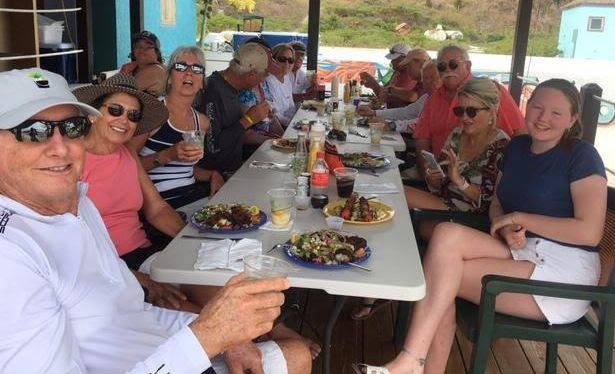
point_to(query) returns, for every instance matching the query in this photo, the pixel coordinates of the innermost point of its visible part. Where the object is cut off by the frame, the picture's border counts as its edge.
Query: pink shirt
(115, 190)
(437, 119)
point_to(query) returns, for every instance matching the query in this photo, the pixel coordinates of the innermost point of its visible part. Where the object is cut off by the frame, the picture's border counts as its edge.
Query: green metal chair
(482, 324)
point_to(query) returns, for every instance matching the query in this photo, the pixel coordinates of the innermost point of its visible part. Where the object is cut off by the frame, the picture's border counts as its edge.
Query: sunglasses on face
(39, 131)
(452, 65)
(471, 111)
(182, 67)
(116, 110)
(283, 59)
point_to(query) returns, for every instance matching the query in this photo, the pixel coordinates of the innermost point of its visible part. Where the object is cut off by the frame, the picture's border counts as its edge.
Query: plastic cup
(260, 267)
(335, 223)
(196, 138)
(282, 201)
(375, 132)
(338, 120)
(350, 114)
(344, 179)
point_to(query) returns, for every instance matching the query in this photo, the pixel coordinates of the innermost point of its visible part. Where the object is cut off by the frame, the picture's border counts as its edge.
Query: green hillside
(486, 24)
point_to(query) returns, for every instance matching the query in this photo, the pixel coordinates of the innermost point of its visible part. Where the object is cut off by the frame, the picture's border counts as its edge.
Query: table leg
(337, 308)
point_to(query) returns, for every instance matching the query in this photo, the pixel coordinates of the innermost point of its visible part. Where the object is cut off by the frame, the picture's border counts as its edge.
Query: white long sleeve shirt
(282, 94)
(406, 116)
(70, 305)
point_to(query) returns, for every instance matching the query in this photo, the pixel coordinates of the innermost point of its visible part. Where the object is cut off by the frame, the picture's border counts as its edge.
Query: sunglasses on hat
(182, 67)
(452, 65)
(116, 110)
(471, 111)
(39, 131)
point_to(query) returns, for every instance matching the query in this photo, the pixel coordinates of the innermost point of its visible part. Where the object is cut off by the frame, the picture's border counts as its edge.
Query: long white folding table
(396, 273)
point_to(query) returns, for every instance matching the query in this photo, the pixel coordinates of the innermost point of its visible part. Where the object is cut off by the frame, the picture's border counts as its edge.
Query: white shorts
(273, 360)
(559, 263)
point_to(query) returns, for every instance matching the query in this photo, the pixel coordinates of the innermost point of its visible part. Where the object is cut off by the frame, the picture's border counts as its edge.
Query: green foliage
(371, 23)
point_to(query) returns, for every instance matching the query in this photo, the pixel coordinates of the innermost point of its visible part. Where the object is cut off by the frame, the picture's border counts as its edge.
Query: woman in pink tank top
(119, 186)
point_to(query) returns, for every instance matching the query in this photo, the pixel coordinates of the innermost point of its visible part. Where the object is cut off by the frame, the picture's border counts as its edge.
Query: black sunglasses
(116, 110)
(283, 59)
(182, 67)
(39, 131)
(471, 111)
(452, 65)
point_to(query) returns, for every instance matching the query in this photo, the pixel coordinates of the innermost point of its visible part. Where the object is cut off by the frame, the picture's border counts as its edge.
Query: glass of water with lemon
(282, 201)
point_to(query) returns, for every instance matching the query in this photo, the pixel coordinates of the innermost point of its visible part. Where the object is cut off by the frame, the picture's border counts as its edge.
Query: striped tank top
(175, 174)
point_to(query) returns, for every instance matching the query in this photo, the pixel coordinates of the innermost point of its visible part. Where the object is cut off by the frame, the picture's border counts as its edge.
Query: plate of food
(359, 210)
(228, 218)
(285, 144)
(304, 125)
(364, 160)
(327, 249)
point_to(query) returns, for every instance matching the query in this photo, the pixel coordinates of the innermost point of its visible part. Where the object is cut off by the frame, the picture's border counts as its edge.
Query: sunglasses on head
(283, 59)
(182, 67)
(471, 111)
(452, 65)
(116, 110)
(39, 131)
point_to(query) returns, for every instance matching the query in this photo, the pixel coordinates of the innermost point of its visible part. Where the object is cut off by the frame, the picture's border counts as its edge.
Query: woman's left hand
(453, 167)
(216, 181)
(504, 220)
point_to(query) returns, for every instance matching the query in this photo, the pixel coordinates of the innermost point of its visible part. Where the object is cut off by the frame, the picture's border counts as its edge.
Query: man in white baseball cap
(68, 303)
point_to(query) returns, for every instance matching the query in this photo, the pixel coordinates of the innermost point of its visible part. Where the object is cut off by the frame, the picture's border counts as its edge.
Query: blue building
(173, 21)
(587, 29)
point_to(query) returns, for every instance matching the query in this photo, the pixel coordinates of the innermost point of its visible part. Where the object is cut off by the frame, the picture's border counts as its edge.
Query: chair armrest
(494, 285)
(478, 221)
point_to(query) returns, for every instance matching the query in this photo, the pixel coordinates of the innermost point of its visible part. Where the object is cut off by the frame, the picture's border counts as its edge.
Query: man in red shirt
(437, 119)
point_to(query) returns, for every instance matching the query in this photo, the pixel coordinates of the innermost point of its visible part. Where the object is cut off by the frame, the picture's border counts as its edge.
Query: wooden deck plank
(378, 339)
(510, 357)
(455, 361)
(465, 348)
(536, 354)
(576, 359)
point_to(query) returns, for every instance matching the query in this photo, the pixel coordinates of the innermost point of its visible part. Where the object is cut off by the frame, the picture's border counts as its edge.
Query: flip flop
(368, 369)
(373, 308)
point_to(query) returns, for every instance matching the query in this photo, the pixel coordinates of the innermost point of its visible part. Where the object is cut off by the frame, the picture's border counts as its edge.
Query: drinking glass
(282, 201)
(196, 138)
(375, 131)
(344, 179)
(261, 266)
(338, 120)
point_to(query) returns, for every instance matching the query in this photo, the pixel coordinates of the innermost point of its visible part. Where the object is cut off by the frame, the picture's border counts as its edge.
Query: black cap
(298, 46)
(147, 36)
(260, 41)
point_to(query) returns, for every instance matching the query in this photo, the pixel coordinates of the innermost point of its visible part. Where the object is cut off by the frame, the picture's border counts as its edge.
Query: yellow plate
(384, 212)
(285, 144)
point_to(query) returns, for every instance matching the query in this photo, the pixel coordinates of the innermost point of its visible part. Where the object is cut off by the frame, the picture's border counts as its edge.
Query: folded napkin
(226, 254)
(270, 227)
(367, 188)
(270, 165)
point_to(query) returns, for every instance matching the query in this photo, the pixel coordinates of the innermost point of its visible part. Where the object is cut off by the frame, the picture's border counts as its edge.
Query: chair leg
(480, 352)
(605, 346)
(401, 324)
(551, 359)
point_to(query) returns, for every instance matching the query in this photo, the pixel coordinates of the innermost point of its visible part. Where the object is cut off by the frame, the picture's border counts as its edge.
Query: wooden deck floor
(372, 341)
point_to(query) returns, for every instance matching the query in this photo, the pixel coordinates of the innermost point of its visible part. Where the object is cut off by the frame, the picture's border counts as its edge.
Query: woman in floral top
(470, 156)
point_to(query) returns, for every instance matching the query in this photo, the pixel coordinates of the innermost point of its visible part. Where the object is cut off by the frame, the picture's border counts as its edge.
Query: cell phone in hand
(431, 161)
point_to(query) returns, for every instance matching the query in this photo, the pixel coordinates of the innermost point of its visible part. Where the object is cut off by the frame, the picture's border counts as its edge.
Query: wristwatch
(465, 185)
(156, 161)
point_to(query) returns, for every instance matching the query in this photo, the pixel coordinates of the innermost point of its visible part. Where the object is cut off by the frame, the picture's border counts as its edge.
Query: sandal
(373, 308)
(368, 369)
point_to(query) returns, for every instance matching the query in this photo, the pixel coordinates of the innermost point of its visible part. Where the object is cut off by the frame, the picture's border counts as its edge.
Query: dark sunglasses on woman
(39, 131)
(283, 59)
(182, 67)
(471, 111)
(116, 110)
(452, 65)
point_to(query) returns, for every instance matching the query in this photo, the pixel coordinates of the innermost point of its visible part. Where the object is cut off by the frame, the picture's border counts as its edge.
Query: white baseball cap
(397, 50)
(253, 56)
(26, 92)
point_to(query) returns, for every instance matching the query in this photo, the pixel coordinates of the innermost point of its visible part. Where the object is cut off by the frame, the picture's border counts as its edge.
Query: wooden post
(35, 23)
(522, 29)
(313, 30)
(590, 110)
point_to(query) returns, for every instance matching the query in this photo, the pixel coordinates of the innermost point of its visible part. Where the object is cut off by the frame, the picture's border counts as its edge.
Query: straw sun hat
(154, 112)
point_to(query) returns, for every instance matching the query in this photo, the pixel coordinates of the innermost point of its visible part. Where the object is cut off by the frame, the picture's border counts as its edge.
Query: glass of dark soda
(344, 179)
